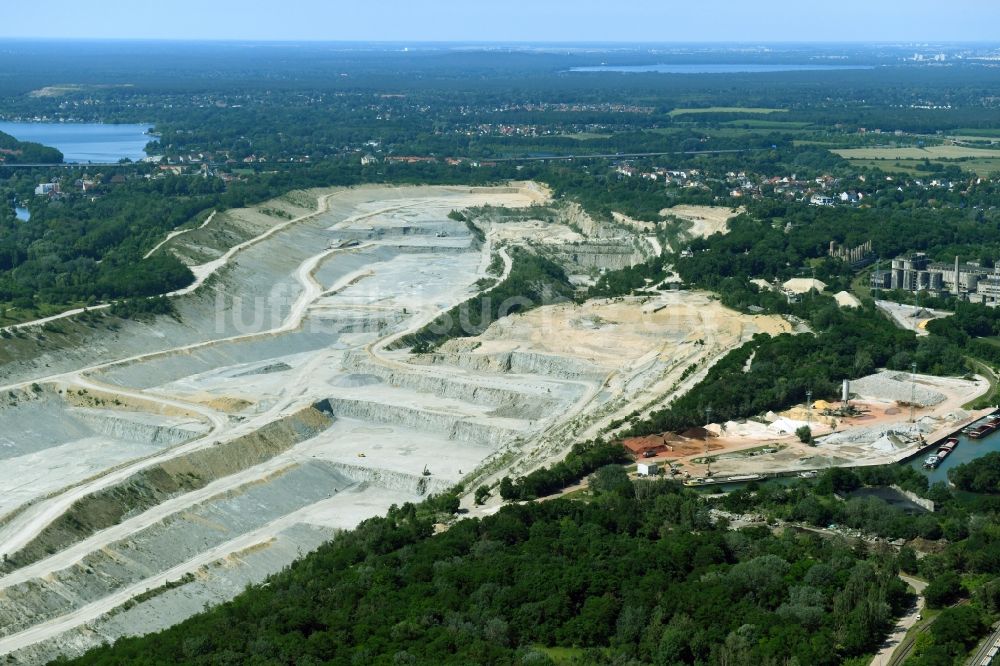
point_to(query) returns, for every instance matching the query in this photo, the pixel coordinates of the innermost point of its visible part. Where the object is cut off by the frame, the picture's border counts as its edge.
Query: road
(179, 232)
(24, 527)
(896, 648)
(902, 315)
(20, 530)
(27, 525)
(78, 165)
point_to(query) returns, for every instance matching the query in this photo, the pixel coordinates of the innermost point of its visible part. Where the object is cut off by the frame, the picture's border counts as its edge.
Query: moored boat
(983, 430)
(946, 448)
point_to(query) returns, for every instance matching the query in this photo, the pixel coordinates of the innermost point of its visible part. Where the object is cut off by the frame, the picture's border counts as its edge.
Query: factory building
(970, 281)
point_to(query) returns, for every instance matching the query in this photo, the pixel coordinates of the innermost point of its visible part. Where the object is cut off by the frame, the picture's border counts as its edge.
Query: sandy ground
(617, 333)
(640, 347)
(706, 220)
(904, 317)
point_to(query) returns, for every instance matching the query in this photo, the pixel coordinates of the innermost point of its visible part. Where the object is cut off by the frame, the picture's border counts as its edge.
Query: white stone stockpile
(895, 385)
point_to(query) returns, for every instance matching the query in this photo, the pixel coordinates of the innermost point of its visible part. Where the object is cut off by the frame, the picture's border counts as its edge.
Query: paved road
(896, 648)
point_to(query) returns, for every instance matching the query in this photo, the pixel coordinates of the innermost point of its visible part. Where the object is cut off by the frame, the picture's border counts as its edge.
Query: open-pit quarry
(151, 467)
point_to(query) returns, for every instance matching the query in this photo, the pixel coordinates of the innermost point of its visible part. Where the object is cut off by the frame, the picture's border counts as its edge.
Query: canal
(968, 449)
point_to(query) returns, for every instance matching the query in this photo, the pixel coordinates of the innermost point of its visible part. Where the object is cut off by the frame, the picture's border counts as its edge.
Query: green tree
(944, 589)
(482, 493)
(610, 479)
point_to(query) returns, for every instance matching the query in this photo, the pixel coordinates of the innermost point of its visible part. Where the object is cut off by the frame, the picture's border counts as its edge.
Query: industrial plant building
(916, 272)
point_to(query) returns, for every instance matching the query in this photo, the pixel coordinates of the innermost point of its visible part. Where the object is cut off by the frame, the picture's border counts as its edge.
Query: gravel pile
(902, 431)
(896, 386)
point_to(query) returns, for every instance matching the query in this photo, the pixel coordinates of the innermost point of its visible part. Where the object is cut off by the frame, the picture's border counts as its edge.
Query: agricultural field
(760, 123)
(979, 166)
(727, 109)
(913, 153)
(586, 136)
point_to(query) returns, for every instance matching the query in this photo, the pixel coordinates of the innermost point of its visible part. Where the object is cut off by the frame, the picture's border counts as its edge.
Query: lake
(746, 68)
(85, 142)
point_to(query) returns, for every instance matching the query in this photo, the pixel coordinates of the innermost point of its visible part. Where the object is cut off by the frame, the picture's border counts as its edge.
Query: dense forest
(306, 127)
(13, 151)
(612, 580)
(630, 572)
(979, 476)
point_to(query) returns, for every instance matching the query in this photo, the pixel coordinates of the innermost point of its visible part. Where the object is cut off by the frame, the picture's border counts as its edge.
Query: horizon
(510, 42)
(514, 21)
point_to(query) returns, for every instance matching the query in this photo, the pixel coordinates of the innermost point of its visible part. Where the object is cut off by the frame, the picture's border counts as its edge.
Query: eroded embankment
(394, 480)
(131, 429)
(489, 431)
(153, 485)
(517, 362)
(177, 539)
(506, 400)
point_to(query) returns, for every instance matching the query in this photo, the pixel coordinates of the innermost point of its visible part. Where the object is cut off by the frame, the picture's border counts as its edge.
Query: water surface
(85, 142)
(706, 68)
(966, 451)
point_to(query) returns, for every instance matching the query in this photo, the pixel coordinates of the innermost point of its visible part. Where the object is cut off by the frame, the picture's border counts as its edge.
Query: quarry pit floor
(181, 458)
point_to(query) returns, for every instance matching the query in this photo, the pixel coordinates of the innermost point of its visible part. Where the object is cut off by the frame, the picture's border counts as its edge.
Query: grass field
(992, 133)
(759, 123)
(912, 153)
(727, 109)
(861, 285)
(979, 139)
(562, 655)
(907, 167)
(981, 166)
(585, 136)
(735, 131)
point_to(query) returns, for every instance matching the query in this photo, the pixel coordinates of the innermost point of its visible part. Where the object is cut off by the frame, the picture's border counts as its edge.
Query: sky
(505, 21)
